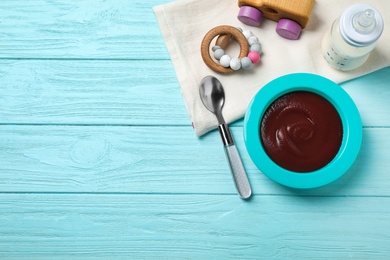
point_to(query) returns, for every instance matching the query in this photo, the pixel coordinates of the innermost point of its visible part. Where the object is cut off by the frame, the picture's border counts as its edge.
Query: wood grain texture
(129, 93)
(90, 92)
(215, 33)
(99, 29)
(298, 11)
(193, 227)
(158, 160)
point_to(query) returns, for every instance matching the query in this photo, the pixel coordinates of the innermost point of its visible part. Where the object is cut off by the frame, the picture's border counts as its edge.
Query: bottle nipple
(364, 22)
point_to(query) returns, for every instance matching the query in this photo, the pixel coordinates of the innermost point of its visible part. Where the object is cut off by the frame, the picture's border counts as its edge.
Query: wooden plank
(157, 160)
(90, 92)
(193, 227)
(129, 93)
(371, 97)
(80, 29)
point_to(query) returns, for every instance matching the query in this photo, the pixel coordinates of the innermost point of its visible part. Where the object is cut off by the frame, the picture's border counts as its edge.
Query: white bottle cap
(361, 25)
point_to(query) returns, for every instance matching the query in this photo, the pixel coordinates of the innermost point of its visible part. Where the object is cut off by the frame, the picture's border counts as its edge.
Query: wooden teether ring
(223, 40)
(222, 30)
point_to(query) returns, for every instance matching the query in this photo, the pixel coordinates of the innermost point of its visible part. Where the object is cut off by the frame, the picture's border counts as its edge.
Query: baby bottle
(348, 43)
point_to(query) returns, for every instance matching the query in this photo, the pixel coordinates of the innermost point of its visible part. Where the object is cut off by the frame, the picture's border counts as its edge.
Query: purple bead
(288, 29)
(250, 16)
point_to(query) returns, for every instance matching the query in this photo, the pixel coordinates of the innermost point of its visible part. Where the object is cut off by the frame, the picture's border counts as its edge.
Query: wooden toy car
(292, 15)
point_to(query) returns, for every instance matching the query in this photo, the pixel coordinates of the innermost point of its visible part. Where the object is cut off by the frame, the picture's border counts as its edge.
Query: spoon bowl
(213, 96)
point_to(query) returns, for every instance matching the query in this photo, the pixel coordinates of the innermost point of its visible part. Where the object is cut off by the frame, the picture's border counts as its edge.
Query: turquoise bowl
(350, 118)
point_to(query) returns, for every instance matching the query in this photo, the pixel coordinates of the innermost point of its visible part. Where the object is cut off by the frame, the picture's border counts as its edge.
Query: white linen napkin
(184, 23)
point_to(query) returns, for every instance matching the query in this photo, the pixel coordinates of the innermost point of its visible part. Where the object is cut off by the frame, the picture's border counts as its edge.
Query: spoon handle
(237, 169)
(239, 175)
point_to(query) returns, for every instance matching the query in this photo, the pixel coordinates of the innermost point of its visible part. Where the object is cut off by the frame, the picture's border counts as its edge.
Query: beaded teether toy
(250, 49)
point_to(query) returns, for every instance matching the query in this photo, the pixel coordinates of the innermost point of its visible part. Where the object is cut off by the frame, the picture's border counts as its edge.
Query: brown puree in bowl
(301, 131)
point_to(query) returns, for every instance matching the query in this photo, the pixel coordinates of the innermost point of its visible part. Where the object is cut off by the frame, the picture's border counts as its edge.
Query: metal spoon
(213, 98)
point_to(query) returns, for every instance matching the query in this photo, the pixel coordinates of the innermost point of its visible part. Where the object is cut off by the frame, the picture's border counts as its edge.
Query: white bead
(247, 34)
(216, 47)
(218, 54)
(246, 63)
(252, 40)
(235, 64)
(225, 61)
(256, 47)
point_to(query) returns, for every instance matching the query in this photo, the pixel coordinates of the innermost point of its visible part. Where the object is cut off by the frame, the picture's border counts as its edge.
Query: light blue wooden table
(98, 157)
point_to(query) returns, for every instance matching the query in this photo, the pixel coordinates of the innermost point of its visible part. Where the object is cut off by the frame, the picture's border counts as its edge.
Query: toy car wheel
(250, 16)
(288, 29)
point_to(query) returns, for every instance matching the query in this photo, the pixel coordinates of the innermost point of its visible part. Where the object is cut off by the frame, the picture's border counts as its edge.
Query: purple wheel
(288, 29)
(250, 16)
